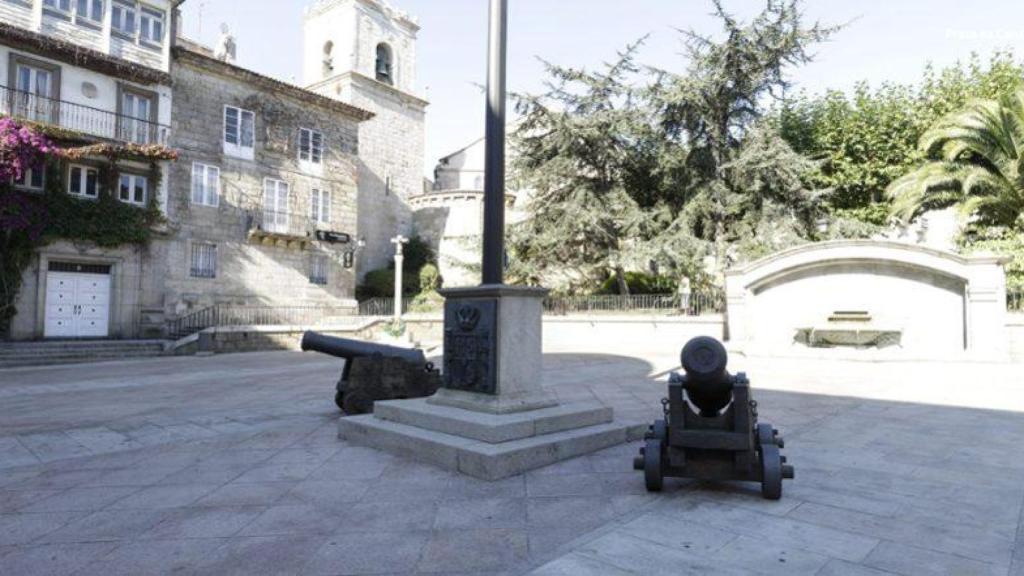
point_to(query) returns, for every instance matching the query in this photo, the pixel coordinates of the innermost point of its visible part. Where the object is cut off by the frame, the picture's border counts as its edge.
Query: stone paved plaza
(231, 465)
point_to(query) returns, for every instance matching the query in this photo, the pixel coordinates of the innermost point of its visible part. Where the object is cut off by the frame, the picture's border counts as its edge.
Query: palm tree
(976, 161)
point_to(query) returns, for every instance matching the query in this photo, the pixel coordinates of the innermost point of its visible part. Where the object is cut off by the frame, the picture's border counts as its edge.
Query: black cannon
(710, 430)
(375, 372)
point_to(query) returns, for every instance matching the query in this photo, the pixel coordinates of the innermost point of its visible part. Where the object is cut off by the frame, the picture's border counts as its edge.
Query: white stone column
(399, 242)
(985, 296)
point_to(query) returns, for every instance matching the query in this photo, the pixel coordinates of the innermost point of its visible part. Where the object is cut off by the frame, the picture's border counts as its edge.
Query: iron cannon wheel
(356, 403)
(661, 430)
(653, 475)
(771, 472)
(339, 399)
(765, 434)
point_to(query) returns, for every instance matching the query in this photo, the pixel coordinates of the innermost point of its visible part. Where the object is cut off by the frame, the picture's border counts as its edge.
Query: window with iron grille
(318, 269)
(311, 146)
(204, 260)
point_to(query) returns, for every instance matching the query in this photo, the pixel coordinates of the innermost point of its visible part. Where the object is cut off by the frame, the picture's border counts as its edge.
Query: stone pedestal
(493, 418)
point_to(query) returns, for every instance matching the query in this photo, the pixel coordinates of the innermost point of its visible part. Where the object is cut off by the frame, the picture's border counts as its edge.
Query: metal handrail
(221, 315)
(696, 304)
(81, 118)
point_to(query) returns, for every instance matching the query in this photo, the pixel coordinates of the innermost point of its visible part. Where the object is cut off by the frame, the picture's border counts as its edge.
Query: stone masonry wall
(254, 270)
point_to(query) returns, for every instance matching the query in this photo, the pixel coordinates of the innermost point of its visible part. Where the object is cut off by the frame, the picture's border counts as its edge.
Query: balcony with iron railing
(87, 120)
(273, 225)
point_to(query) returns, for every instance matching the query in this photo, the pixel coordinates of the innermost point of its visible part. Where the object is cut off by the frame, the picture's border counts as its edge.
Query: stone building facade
(263, 167)
(89, 73)
(363, 52)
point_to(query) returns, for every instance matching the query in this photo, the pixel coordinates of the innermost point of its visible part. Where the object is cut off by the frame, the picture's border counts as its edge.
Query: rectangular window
(59, 5)
(275, 206)
(311, 146)
(89, 11)
(205, 184)
(31, 179)
(204, 260)
(83, 181)
(239, 132)
(318, 269)
(151, 26)
(133, 189)
(35, 88)
(136, 118)
(122, 18)
(320, 206)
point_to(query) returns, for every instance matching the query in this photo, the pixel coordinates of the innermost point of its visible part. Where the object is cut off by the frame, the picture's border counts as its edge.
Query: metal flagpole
(494, 182)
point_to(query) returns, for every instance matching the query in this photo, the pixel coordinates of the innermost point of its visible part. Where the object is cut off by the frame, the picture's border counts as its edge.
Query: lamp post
(399, 242)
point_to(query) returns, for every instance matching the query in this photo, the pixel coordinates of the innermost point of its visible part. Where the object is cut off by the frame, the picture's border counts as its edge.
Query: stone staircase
(45, 353)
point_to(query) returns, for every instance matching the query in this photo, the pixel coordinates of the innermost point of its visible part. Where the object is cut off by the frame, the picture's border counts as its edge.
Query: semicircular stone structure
(867, 293)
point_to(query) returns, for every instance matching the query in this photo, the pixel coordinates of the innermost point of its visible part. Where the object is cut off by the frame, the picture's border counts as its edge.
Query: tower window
(328, 58)
(384, 64)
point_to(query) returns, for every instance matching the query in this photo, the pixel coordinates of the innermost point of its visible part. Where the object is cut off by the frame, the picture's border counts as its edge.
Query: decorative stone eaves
(76, 55)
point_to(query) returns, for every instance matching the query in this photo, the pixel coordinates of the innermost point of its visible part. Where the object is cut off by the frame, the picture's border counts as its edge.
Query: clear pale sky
(886, 40)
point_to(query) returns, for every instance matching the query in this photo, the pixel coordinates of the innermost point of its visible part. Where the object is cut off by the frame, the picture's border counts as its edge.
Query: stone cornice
(76, 55)
(187, 57)
(365, 80)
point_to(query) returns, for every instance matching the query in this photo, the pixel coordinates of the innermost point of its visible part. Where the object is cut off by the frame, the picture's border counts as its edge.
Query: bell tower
(363, 52)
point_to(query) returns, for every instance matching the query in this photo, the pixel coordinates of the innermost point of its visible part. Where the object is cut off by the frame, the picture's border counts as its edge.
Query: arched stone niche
(940, 302)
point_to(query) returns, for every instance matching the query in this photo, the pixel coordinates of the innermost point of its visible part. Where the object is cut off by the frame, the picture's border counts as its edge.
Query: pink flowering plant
(21, 149)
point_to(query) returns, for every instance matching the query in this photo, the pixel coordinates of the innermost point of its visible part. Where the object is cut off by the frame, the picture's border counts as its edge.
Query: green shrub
(430, 278)
(381, 284)
(428, 301)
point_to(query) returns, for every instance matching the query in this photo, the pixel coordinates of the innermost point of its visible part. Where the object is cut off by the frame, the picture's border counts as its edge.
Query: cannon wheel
(339, 399)
(355, 402)
(661, 430)
(771, 472)
(765, 434)
(653, 475)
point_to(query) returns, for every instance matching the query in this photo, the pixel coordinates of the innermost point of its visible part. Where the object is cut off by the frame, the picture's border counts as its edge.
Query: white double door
(77, 305)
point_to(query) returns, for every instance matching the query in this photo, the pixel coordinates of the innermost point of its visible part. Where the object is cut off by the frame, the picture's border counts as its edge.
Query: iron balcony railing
(376, 307)
(80, 118)
(224, 315)
(277, 223)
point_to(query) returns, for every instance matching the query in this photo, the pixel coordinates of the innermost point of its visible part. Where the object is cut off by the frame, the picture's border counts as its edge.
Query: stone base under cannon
(493, 419)
(487, 446)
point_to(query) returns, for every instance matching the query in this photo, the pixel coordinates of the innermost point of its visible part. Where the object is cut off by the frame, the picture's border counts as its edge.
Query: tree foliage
(866, 140)
(974, 161)
(629, 165)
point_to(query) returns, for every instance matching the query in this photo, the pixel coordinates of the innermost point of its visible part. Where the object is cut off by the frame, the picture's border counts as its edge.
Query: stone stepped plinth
(484, 445)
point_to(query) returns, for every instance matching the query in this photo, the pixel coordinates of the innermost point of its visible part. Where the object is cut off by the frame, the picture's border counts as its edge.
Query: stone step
(21, 354)
(78, 351)
(492, 428)
(54, 360)
(485, 460)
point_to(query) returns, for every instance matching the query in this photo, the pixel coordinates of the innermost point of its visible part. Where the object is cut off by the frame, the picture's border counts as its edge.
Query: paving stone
(80, 499)
(388, 517)
(843, 568)
(25, 528)
(368, 553)
(646, 557)
(107, 525)
(52, 559)
(575, 563)
(331, 494)
(302, 519)
(766, 557)
(13, 500)
(246, 494)
(164, 496)
(461, 486)
(261, 556)
(474, 550)
(564, 485)
(153, 558)
(679, 532)
(912, 561)
(202, 523)
(481, 513)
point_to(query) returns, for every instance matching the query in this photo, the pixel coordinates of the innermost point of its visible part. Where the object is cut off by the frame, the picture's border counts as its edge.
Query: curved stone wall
(939, 302)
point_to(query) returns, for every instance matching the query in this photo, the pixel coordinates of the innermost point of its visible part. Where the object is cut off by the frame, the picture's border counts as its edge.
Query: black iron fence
(224, 315)
(80, 118)
(679, 304)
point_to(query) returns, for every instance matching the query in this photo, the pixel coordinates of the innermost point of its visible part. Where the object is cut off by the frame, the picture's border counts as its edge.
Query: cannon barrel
(348, 349)
(708, 383)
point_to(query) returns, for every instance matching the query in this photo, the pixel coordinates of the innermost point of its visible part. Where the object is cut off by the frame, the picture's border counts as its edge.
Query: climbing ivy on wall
(31, 220)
